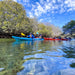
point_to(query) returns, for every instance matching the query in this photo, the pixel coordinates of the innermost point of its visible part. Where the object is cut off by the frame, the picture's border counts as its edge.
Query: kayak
(26, 39)
(54, 39)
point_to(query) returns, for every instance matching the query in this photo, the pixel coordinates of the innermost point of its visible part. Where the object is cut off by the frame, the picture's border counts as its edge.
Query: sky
(57, 12)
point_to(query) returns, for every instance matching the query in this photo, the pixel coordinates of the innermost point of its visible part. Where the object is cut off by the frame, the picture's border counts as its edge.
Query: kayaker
(40, 36)
(37, 35)
(54, 38)
(31, 36)
(59, 37)
(65, 37)
(69, 38)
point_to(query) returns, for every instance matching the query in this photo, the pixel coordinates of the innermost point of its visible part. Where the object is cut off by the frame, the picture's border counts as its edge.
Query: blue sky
(57, 12)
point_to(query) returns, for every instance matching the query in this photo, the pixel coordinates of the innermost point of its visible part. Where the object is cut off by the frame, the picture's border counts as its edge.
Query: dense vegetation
(69, 27)
(13, 20)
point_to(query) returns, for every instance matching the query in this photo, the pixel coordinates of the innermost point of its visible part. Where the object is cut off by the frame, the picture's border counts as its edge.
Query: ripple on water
(38, 58)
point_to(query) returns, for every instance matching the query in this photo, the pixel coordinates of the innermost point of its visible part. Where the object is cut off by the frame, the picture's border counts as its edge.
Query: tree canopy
(44, 29)
(69, 27)
(13, 17)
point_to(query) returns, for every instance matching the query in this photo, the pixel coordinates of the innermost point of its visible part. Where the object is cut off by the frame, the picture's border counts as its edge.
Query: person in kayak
(65, 37)
(31, 36)
(59, 37)
(37, 35)
(40, 36)
(69, 38)
(54, 38)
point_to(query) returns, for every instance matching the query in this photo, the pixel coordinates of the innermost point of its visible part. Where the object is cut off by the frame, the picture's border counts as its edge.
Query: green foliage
(13, 18)
(34, 24)
(69, 27)
(44, 29)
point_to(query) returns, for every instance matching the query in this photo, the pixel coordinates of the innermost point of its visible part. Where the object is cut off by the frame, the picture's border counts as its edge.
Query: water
(37, 57)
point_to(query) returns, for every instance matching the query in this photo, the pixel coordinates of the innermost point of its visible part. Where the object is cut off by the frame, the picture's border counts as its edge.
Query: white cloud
(62, 10)
(42, 9)
(41, 1)
(47, 0)
(66, 2)
(15, 0)
(25, 1)
(39, 9)
(52, 11)
(48, 6)
(51, 6)
(33, 7)
(70, 3)
(50, 21)
(40, 20)
(59, 1)
(70, 9)
(36, 12)
(31, 15)
(54, 1)
(55, 7)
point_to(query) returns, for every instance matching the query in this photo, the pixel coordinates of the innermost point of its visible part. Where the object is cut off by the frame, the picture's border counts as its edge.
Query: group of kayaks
(55, 39)
(32, 39)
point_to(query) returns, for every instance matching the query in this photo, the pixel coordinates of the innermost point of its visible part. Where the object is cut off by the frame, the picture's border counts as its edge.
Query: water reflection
(10, 58)
(37, 57)
(69, 51)
(52, 60)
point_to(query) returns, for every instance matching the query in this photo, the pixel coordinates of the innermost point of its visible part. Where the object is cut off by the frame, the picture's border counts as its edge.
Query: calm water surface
(37, 57)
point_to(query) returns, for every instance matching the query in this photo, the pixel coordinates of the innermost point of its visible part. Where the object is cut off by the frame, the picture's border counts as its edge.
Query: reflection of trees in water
(10, 58)
(70, 53)
(37, 47)
(72, 65)
(12, 53)
(35, 50)
(40, 47)
(51, 45)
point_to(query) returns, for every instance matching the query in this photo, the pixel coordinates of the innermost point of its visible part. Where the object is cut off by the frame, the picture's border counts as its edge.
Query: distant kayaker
(31, 36)
(65, 37)
(40, 36)
(37, 35)
(54, 38)
(59, 37)
(69, 38)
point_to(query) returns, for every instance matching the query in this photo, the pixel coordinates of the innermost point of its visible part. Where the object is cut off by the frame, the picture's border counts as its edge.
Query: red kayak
(54, 39)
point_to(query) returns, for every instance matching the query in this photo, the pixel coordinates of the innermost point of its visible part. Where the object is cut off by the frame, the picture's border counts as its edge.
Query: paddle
(22, 34)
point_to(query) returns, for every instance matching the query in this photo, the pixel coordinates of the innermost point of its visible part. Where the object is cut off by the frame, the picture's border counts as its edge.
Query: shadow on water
(37, 57)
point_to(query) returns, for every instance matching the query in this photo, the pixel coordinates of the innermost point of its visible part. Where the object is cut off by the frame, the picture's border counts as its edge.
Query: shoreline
(8, 36)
